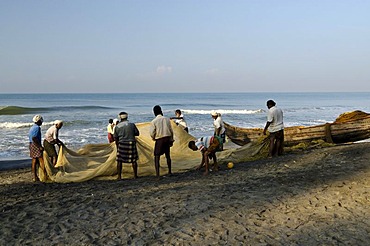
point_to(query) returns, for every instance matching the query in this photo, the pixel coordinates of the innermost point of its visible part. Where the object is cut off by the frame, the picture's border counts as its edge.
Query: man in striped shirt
(208, 146)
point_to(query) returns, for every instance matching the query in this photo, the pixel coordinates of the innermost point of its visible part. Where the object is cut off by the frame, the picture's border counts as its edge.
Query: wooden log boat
(348, 127)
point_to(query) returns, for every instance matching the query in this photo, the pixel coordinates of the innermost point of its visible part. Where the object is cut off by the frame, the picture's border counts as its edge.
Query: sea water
(86, 116)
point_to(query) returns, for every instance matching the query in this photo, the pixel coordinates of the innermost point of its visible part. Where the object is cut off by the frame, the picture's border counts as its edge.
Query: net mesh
(98, 161)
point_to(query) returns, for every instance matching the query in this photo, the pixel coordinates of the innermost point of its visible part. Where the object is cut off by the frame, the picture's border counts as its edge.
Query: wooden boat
(348, 127)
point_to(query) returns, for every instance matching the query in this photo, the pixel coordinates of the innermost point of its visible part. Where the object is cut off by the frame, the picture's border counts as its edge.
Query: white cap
(37, 118)
(214, 113)
(58, 122)
(123, 115)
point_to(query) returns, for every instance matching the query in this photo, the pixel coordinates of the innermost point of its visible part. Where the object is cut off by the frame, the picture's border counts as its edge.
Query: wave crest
(14, 125)
(223, 111)
(16, 110)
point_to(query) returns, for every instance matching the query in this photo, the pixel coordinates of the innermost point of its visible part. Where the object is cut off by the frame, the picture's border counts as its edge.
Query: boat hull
(337, 132)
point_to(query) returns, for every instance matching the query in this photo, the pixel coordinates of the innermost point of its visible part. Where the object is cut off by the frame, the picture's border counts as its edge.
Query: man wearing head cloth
(52, 139)
(161, 132)
(124, 136)
(219, 128)
(36, 148)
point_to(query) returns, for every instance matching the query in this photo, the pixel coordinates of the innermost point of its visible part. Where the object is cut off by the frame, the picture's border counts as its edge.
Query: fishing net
(98, 161)
(349, 116)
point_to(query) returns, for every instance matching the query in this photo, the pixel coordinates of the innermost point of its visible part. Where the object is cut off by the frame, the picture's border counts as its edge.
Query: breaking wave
(15, 110)
(224, 111)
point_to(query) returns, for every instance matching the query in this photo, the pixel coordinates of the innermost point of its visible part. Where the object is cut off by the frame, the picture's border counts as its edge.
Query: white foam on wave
(14, 125)
(223, 111)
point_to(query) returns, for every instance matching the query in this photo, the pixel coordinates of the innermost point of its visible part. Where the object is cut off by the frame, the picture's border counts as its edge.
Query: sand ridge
(316, 197)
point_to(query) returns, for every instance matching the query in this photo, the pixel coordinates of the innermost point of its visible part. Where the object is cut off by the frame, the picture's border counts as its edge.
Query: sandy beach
(312, 197)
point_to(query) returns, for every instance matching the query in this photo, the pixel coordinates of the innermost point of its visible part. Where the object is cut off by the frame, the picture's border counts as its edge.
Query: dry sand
(317, 197)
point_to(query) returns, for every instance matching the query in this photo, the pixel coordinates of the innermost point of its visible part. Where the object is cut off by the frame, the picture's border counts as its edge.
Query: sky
(77, 46)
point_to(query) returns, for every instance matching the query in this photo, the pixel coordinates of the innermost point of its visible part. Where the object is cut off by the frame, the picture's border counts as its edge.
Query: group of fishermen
(161, 132)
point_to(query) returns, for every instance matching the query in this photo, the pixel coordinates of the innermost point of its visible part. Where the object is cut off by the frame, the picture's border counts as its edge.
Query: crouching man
(208, 146)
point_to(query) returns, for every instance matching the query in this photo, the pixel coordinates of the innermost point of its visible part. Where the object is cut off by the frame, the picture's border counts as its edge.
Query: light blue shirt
(204, 142)
(35, 131)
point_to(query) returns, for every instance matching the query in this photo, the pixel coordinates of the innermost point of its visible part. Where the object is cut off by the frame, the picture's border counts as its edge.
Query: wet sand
(312, 197)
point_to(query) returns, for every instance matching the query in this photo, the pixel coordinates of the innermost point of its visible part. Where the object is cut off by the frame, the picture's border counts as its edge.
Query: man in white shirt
(218, 125)
(52, 139)
(161, 132)
(179, 120)
(275, 125)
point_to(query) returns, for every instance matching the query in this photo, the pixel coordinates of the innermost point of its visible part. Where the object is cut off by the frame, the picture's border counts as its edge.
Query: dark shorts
(162, 146)
(223, 137)
(127, 152)
(50, 149)
(279, 135)
(35, 151)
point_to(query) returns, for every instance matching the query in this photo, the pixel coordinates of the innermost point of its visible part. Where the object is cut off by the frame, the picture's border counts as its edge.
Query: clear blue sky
(184, 46)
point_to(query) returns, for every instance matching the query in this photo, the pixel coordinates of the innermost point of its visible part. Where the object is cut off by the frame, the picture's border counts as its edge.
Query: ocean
(86, 116)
